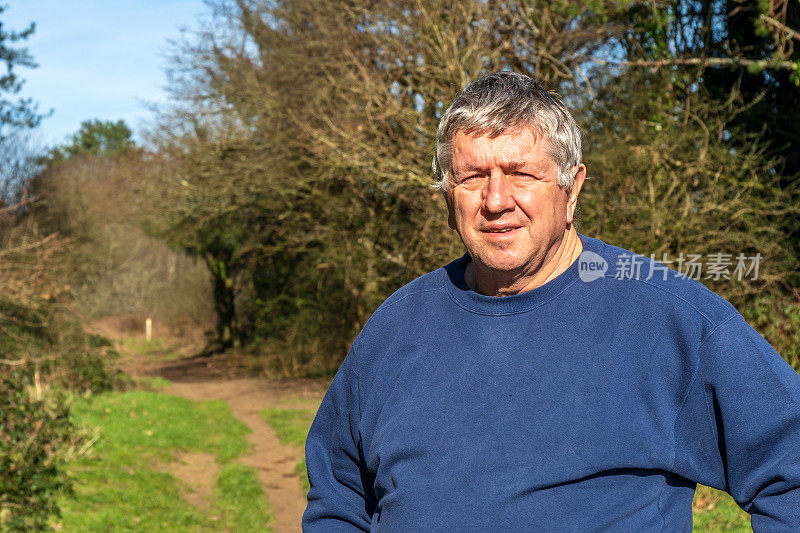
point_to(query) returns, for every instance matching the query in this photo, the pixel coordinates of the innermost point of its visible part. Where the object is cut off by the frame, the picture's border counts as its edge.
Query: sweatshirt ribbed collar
(460, 292)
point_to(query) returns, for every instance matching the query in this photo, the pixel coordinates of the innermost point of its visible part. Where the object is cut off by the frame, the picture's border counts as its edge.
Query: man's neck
(507, 284)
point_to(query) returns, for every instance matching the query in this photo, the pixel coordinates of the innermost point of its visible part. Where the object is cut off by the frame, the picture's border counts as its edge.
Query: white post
(148, 328)
(37, 381)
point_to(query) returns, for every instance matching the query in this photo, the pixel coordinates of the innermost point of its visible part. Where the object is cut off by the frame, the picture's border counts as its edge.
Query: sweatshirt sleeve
(341, 497)
(739, 430)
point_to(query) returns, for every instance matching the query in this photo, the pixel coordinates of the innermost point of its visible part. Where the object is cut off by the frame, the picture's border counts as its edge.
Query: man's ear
(572, 198)
(451, 213)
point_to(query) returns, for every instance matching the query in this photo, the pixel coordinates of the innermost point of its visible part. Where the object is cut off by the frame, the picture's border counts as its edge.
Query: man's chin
(500, 265)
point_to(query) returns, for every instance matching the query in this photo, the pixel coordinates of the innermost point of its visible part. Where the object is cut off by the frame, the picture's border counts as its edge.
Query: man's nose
(498, 194)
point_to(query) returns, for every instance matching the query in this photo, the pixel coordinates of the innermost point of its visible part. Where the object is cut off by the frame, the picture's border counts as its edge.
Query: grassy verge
(152, 349)
(715, 510)
(291, 425)
(241, 500)
(152, 384)
(122, 484)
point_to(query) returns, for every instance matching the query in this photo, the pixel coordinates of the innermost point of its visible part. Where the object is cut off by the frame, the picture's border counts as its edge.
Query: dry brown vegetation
(111, 265)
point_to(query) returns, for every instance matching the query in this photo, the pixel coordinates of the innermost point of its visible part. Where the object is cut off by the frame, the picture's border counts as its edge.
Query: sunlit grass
(122, 482)
(714, 510)
(291, 425)
(153, 384)
(241, 499)
(153, 348)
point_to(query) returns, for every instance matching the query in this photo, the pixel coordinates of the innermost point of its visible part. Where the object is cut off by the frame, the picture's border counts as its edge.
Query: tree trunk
(224, 303)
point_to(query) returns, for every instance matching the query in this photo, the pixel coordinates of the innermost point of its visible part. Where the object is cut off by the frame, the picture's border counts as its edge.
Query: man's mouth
(499, 230)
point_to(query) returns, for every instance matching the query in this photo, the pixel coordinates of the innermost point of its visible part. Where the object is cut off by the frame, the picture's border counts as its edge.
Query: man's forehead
(513, 131)
(512, 147)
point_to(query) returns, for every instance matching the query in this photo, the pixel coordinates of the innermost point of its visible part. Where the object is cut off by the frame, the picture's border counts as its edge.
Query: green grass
(301, 471)
(154, 384)
(241, 499)
(715, 510)
(291, 425)
(154, 349)
(121, 484)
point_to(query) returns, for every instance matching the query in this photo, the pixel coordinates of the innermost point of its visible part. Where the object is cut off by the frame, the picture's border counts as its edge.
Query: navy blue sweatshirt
(576, 406)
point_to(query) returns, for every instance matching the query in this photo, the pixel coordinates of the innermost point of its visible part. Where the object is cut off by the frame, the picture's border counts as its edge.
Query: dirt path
(211, 378)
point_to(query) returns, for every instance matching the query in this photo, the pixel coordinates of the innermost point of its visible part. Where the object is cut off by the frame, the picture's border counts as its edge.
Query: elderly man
(506, 391)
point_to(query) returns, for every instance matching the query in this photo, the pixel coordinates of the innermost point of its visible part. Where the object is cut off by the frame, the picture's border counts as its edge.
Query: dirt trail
(212, 378)
(199, 471)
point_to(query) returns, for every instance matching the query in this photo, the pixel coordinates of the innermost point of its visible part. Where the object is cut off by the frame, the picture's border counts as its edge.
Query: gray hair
(504, 101)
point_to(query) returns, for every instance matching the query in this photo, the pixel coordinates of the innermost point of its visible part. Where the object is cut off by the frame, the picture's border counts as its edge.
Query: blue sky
(100, 59)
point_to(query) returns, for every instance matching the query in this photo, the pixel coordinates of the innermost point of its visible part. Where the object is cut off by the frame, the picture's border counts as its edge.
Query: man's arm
(341, 496)
(746, 438)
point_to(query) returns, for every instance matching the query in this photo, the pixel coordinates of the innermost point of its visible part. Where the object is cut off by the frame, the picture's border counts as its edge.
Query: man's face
(505, 201)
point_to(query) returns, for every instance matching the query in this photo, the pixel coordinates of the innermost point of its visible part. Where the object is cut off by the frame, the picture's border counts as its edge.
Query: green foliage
(795, 75)
(681, 187)
(765, 35)
(56, 349)
(98, 138)
(43, 354)
(21, 113)
(25, 327)
(35, 435)
(122, 484)
(778, 319)
(85, 362)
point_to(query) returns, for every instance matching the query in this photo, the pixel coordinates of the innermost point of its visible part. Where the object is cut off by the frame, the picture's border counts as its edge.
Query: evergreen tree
(15, 112)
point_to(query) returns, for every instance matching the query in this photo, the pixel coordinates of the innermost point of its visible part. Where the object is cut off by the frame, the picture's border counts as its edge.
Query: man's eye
(473, 177)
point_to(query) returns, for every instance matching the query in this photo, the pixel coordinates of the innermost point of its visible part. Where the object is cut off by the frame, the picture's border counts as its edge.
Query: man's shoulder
(630, 274)
(409, 295)
(410, 312)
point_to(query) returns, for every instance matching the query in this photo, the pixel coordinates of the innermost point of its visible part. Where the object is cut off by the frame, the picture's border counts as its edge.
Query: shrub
(42, 355)
(34, 437)
(57, 349)
(778, 320)
(85, 362)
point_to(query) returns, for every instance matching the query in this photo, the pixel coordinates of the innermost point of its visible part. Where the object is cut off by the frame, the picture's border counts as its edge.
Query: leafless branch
(704, 62)
(792, 34)
(28, 246)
